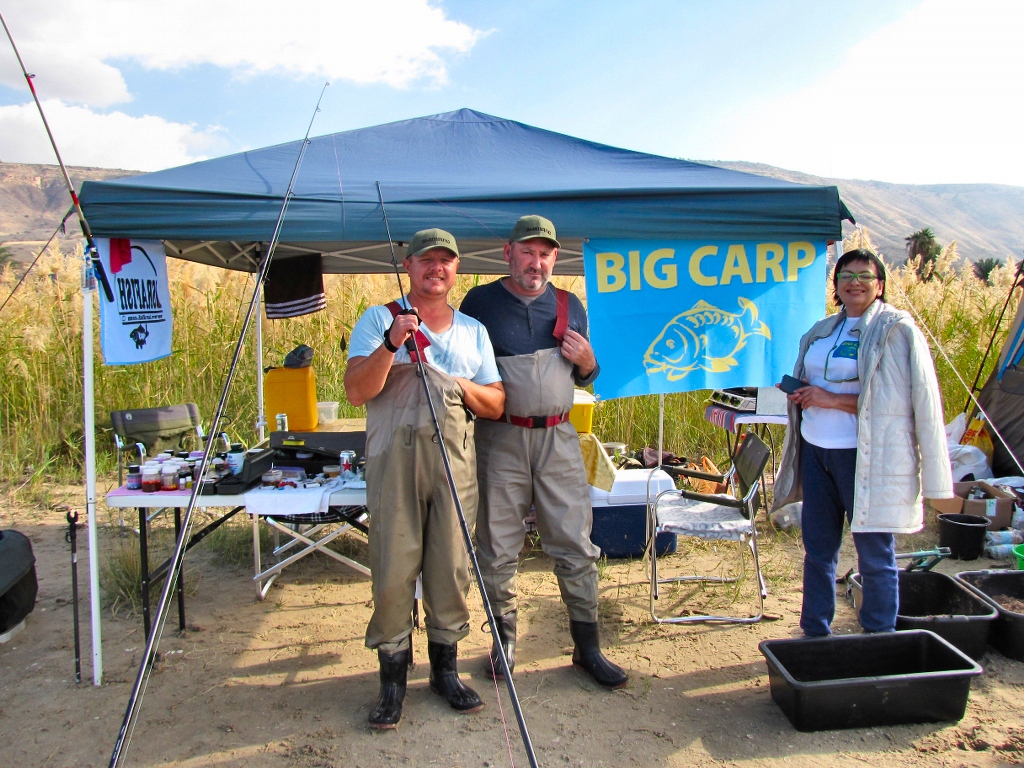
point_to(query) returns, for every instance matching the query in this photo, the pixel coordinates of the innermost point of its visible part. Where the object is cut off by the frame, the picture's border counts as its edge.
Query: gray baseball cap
(529, 227)
(426, 239)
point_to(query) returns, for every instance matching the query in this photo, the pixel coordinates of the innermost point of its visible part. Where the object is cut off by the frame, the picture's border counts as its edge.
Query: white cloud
(113, 140)
(934, 97)
(74, 48)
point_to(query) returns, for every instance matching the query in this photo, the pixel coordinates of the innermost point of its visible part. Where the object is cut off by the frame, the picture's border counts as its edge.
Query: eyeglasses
(863, 277)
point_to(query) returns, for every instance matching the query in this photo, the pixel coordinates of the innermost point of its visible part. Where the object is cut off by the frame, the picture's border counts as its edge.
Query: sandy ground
(287, 682)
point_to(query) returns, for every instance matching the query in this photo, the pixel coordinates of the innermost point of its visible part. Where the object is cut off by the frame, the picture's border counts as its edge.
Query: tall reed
(41, 391)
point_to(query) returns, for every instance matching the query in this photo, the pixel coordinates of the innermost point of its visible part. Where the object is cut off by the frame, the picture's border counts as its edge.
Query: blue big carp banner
(679, 315)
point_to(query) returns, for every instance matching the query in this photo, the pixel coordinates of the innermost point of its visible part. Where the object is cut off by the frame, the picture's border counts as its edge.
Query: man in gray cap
(530, 455)
(414, 527)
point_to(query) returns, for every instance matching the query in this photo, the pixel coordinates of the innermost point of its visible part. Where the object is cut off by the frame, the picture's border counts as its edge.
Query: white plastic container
(631, 488)
(327, 411)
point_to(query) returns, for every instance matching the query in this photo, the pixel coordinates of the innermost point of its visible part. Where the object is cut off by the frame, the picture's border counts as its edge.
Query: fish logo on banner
(137, 326)
(676, 316)
(703, 337)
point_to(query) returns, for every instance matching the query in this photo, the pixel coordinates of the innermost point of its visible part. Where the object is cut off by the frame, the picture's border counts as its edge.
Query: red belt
(534, 422)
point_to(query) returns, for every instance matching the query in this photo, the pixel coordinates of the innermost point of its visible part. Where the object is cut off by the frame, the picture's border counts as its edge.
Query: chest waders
(413, 524)
(530, 457)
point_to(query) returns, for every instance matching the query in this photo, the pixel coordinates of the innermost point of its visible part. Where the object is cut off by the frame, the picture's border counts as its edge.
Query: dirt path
(287, 682)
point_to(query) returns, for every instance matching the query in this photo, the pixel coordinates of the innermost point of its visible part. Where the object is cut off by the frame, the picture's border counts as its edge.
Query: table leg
(144, 567)
(181, 574)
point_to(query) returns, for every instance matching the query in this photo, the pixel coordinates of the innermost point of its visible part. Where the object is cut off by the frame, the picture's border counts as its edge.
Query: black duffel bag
(18, 585)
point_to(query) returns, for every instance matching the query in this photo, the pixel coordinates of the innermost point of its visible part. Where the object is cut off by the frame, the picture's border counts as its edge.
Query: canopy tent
(469, 173)
(1002, 399)
(464, 171)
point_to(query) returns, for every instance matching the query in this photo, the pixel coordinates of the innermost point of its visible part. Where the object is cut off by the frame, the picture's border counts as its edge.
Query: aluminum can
(282, 422)
(347, 460)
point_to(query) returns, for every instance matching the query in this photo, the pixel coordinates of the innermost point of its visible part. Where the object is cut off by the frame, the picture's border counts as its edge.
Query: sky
(905, 91)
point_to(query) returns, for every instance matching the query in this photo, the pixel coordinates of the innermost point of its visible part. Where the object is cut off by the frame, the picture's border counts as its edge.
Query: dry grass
(40, 393)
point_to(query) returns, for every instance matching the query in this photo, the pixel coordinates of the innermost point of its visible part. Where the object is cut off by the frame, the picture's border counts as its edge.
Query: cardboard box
(997, 505)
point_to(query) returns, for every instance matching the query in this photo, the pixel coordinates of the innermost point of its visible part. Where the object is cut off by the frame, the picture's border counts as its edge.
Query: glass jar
(134, 482)
(184, 479)
(168, 477)
(151, 478)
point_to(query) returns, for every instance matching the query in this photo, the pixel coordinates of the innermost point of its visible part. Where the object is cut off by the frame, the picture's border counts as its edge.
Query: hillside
(33, 199)
(986, 220)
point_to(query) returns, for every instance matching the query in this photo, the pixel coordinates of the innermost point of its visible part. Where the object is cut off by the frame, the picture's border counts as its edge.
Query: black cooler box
(18, 585)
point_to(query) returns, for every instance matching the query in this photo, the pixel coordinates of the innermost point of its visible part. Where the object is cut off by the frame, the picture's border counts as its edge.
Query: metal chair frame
(741, 479)
(299, 533)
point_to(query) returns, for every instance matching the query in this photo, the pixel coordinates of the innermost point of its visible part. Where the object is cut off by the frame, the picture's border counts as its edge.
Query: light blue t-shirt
(463, 350)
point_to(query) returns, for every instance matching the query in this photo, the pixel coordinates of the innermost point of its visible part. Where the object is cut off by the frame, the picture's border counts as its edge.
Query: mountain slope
(986, 220)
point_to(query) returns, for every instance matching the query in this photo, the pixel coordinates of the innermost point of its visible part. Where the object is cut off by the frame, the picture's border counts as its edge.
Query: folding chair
(312, 530)
(150, 430)
(714, 517)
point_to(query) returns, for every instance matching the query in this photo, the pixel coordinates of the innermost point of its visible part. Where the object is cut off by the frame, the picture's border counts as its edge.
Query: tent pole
(661, 427)
(261, 416)
(89, 410)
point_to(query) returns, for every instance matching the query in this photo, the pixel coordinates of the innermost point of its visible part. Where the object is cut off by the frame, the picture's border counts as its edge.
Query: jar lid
(168, 469)
(236, 447)
(133, 468)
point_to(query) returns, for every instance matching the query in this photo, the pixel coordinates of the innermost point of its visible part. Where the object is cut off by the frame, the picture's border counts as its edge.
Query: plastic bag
(787, 517)
(977, 435)
(955, 430)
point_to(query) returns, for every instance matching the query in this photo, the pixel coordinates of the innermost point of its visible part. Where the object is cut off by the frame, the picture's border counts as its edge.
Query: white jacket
(901, 438)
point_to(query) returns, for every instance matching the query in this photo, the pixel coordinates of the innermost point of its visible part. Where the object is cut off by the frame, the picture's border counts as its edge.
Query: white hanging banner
(136, 327)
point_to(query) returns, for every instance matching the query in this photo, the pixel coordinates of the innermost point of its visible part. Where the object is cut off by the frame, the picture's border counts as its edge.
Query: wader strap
(534, 422)
(561, 314)
(421, 340)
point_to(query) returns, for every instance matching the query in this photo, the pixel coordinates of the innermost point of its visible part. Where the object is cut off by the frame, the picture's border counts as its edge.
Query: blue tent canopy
(464, 171)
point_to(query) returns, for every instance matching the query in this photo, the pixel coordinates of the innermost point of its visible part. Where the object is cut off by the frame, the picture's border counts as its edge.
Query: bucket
(1018, 553)
(963, 534)
(582, 414)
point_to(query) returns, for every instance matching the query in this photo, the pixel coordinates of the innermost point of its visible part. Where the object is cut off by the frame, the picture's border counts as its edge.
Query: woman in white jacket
(865, 442)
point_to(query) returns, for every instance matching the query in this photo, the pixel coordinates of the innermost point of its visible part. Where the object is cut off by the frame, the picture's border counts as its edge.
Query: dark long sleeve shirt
(520, 328)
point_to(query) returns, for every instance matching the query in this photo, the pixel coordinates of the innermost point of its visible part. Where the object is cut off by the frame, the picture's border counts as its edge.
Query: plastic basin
(963, 534)
(861, 681)
(1018, 554)
(998, 588)
(940, 603)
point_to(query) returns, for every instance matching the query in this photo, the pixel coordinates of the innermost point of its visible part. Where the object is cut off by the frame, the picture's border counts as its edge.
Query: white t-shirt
(463, 350)
(830, 427)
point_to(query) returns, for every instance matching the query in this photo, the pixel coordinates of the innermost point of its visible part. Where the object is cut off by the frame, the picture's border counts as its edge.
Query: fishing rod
(467, 537)
(91, 251)
(124, 736)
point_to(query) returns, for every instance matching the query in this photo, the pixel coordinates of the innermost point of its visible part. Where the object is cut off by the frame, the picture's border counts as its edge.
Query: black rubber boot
(444, 678)
(507, 639)
(394, 668)
(588, 657)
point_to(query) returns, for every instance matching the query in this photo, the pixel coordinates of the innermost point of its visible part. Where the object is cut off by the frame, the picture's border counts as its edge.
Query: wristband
(387, 342)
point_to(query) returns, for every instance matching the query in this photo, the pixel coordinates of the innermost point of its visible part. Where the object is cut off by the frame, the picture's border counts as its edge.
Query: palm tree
(983, 269)
(923, 245)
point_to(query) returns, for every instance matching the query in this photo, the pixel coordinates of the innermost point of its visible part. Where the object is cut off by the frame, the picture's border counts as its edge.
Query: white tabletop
(122, 497)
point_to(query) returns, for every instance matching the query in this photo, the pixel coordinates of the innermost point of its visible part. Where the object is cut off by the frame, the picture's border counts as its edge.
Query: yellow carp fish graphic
(703, 336)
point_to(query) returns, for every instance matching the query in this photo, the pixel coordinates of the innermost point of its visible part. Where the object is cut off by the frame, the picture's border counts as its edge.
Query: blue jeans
(828, 486)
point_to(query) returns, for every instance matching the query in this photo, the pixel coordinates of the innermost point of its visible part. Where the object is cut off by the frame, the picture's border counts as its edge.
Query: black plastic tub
(963, 534)
(861, 681)
(1007, 635)
(940, 603)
